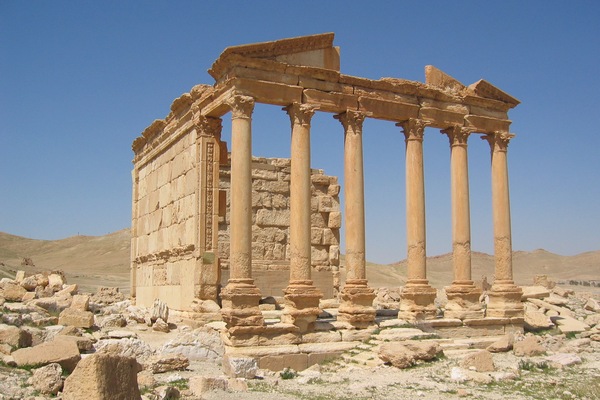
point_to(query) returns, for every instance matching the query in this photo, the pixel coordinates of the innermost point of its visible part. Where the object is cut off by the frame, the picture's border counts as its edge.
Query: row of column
(240, 296)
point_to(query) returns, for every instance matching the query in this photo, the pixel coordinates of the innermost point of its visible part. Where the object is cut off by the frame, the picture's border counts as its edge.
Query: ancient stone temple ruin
(200, 214)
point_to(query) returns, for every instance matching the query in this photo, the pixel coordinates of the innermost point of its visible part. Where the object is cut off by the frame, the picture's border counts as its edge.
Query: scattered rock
(200, 385)
(48, 379)
(568, 324)
(113, 321)
(103, 376)
(464, 375)
(502, 345)
(240, 367)
(536, 320)
(481, 361)
(160, 326)
(592, 305)
(167, 362)
(159, 311)
(406, 354)
(81, 302)
(14, 336)
(528, 347)
(201, 344)
(12, 291)
(75, 317)
(543, 280)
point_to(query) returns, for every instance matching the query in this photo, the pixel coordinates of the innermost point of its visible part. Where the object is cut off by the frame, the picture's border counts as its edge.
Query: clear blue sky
(79, 80)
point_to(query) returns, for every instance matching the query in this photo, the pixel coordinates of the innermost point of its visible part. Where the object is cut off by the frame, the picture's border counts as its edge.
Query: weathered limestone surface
(203, 221)
(103, 376)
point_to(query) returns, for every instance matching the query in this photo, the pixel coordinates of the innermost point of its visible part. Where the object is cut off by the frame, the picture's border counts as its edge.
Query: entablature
(309, 78)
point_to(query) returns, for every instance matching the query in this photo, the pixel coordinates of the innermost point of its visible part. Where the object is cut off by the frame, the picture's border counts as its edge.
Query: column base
(240, 306)
(505, 300)
(302, 306)
(356, 306)
(417, 301)
(463, 301)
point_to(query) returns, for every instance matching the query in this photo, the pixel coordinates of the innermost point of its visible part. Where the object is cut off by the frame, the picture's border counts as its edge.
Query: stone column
(463, 295)
(240, 297)
(208, 135)
(302, 307)
(505, 296)
(134, 234)
(417, 299)
(357, 297)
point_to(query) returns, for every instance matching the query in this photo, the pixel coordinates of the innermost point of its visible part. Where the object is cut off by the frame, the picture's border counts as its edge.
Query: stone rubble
(191, 363)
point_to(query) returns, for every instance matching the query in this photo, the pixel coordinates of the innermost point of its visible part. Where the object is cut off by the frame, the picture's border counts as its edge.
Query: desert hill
(93, 261)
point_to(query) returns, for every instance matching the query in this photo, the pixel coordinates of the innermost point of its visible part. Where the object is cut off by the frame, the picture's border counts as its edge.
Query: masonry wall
(270, 226)
(164, 225)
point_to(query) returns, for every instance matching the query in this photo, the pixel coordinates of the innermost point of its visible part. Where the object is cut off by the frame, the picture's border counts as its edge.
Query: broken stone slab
(81, 302)
(535, 320)
(458, 374)
(128, 347)
(548, 306)
(65, 353)
(201, 344)
(561, 360)
(556, 300)
(167, 362)
(534, 292)
(562, 291)
(103, 376)
(567, 324)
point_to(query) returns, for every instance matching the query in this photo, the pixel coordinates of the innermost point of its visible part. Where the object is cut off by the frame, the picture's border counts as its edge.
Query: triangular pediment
(483, 88)
(307, 51)
(436, 77)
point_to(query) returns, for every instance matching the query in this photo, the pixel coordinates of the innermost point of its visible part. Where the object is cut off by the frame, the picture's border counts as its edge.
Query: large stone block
(77, 318)
(65, 353)
(14, 336)
(103, 376)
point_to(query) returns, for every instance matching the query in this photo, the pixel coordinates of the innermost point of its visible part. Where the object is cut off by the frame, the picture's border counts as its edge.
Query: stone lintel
(267, 92)
(263, 75)
(440, 118)
(323, 74)
(330, 102)
(486, 125)
(388, 110)
(218, 106)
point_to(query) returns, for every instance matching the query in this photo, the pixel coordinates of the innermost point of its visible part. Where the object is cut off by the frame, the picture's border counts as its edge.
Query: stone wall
(270, 226)
(164, 224)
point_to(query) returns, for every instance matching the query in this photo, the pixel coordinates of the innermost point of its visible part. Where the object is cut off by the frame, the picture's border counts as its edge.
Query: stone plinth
(240, 306)
(356, 306)
(463, 301)
(417, 302)
(505, 301)
(302, 307)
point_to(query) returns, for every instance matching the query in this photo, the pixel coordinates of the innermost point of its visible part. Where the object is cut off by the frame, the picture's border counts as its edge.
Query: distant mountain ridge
(96, 260)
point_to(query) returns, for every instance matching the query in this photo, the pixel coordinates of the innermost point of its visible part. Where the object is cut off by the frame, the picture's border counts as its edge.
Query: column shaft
(302, 309)
(463, 296)
(357, 297)
(505, 296)
(240, 297)
(417, 296)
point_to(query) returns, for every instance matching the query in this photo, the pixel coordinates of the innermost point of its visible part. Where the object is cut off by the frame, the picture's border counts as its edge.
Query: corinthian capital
(498, 140)
(413, 128)
(206, 126)
(457, 134)
(241, 106)
(300, 114)
(352, 120)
